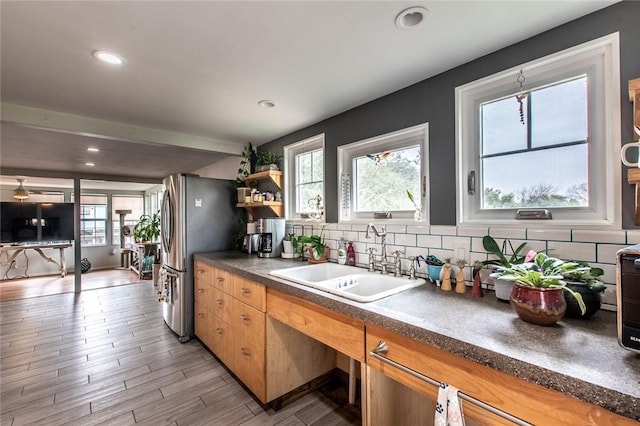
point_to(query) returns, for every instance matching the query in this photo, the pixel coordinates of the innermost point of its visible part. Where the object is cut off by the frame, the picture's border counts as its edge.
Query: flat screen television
(22, 222)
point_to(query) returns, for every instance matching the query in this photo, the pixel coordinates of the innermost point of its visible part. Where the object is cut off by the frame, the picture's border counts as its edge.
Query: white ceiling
(188, 94)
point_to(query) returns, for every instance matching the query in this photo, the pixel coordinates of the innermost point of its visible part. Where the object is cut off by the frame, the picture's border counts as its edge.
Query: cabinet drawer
(527, 401)
(200, 321)
(250, 323)
(336, 330)
(221, 305)
(202, 272)
(250, 292)
(220, 339)
(202, 292)
(223, 280)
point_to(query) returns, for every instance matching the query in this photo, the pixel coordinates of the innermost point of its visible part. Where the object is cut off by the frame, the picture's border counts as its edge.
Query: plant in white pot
(267, 160)
(502, 288)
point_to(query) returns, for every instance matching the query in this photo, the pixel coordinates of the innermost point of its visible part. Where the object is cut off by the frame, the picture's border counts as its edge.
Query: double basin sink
(349, 282)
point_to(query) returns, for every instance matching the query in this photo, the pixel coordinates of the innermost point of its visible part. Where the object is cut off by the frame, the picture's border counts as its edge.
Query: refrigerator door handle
(167, 222)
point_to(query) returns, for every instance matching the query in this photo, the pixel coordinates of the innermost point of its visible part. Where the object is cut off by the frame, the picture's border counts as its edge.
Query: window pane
(502, 130)
(382, 185)
(303, 167)
(317, 161)
(135, 203)
(306, 200)
(555, 177)
(559, 113)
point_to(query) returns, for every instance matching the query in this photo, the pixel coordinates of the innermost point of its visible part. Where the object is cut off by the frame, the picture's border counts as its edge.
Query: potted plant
(586, 282)
(290, 245)
(537, 296)
(267, 160)
(502, 288)
(148, 228)
(434, 267)
(317, 249)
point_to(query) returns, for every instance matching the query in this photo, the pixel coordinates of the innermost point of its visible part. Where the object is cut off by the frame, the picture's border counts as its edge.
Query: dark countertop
(581, 358)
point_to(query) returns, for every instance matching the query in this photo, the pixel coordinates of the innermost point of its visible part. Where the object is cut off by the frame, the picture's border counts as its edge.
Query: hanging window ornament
(522, 96)
(379, 157)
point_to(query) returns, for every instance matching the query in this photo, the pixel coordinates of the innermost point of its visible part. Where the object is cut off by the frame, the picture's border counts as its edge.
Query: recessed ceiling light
(93, 149)
(266, 103)
(90, 164)
(411, 17)
(108, 57)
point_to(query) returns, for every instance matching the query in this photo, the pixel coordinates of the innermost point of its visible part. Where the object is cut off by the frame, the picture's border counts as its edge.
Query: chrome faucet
(382, 233)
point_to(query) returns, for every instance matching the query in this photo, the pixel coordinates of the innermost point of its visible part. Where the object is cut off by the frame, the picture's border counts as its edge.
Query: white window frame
(290, 152)
(600, 61)
(387, 142)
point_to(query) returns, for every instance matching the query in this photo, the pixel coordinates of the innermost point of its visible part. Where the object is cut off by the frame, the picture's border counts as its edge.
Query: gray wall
(433, 100)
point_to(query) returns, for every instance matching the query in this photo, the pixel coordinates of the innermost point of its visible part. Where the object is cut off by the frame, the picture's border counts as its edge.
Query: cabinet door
(221, 305)
(249, 347)
(250, 292)
(220, 340)
(200, 321)
(202, 292)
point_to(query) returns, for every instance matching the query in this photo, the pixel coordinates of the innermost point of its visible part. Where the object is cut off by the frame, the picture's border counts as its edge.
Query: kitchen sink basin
(347, 281)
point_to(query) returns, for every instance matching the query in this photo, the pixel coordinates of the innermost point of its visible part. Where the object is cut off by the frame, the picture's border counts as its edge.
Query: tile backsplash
(596, 247)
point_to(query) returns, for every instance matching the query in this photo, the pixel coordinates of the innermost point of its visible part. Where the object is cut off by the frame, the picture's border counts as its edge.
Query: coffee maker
(271, 234)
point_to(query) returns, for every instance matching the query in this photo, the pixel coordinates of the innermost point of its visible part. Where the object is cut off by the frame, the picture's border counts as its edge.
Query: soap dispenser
(342, 252)
(351, 254)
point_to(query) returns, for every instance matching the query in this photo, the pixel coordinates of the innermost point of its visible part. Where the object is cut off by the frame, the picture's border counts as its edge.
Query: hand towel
(448, 409)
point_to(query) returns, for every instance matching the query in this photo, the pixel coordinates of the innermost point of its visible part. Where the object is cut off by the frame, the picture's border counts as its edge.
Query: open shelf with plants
(269, 180)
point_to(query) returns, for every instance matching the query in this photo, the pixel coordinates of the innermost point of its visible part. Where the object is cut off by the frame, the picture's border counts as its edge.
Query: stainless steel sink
(347, 281)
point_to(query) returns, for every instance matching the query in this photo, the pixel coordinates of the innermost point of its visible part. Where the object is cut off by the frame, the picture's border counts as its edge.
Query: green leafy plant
(316, 241)
(266, 158)
(249, 156)
(147, 228)
(543, 272)
(492, 247)
(586, 275)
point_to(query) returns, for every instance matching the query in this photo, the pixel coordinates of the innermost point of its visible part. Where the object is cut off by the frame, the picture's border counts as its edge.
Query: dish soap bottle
(351, 254)
(342, 252)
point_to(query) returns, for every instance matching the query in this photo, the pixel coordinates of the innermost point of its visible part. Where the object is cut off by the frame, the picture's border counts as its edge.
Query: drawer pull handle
(245, 352)
(201, 315)
(200, 290)
(245, 318)
(220, 279)
(245, 291)
(220, 331)
(382, 348)
(220, 302)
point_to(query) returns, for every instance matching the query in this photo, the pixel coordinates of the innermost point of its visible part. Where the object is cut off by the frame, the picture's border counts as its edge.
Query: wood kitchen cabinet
(399, 394)
(230, 319)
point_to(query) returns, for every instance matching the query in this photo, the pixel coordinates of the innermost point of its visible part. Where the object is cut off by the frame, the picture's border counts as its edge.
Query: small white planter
(502, 288)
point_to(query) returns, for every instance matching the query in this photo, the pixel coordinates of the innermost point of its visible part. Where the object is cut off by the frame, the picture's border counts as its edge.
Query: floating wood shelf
(276, 207)
(274, 175)
(633, 175)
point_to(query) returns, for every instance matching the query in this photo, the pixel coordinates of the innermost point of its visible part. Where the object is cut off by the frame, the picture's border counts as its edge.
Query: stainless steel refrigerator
(197, 215)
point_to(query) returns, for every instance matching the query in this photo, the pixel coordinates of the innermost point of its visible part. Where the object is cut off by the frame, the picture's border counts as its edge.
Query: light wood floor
(105, 356)
(54, 284)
